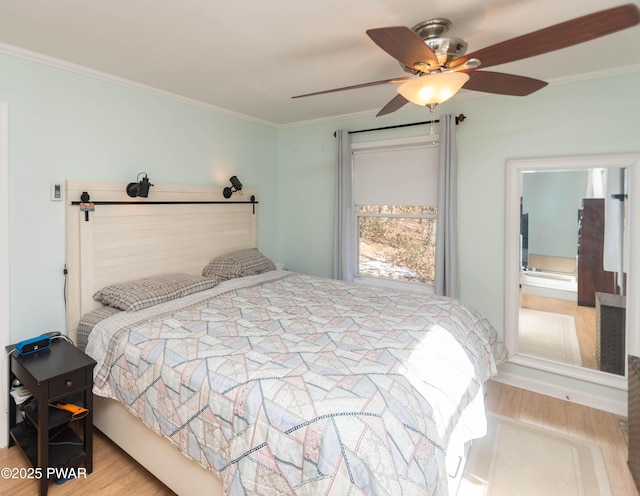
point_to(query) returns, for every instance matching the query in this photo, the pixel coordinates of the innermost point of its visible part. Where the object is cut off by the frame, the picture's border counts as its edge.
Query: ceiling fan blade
(501, 83)
(405, 46)
(558, 36)
(355, 86)
(397, 102)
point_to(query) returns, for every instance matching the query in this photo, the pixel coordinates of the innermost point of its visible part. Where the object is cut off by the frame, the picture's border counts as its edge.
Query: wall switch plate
(56, 191)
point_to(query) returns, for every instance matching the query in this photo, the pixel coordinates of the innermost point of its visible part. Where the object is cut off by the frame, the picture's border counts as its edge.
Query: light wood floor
(114, 472)
(117, 473)
(595, 426)
(585, 322)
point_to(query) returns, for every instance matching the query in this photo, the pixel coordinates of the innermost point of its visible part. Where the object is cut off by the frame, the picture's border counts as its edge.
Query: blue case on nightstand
(33, 345)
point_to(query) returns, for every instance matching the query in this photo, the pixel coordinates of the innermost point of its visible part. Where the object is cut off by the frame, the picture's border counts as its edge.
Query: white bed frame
(127, 241)
(136, 239)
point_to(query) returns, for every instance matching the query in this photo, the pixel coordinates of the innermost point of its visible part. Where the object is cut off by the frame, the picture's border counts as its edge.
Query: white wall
(552, 201)
(4, 259)
(68, 126)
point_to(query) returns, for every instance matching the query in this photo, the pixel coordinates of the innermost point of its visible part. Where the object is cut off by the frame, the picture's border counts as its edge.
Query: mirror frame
(515, 168)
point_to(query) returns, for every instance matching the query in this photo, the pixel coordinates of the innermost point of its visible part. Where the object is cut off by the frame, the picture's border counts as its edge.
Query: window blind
(406, 175)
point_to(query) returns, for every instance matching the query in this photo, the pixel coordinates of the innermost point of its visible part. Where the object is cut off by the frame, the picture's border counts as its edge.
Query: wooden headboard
(128, 238)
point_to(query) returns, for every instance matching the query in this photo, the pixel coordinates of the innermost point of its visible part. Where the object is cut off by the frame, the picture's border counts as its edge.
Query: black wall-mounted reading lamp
(141, 188)
(236, 186)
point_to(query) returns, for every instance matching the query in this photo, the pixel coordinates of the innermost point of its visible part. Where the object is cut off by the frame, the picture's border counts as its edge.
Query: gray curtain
(447, 279)
(343, 252)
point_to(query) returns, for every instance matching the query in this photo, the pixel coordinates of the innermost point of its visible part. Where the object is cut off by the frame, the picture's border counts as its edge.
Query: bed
(266, 381)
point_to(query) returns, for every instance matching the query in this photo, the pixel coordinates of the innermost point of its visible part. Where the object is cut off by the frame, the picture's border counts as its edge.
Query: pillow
(143, 293)
(90, 320)
(238, 264)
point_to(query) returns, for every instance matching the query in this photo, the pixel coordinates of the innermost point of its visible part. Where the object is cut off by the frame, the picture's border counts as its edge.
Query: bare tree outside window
(397, 242)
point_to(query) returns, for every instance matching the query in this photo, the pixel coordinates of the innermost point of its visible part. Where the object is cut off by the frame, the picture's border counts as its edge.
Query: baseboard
(563, 393)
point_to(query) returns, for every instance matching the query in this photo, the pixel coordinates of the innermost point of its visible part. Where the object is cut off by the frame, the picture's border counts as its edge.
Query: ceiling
(250, 57)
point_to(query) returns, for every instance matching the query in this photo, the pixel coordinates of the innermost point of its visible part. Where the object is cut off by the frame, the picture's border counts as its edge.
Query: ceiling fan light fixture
(433, 89)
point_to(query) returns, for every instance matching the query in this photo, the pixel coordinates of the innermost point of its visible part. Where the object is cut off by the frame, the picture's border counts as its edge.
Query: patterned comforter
(286, 384)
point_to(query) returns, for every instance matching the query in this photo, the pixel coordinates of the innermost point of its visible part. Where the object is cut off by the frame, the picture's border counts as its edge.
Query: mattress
(283, 383)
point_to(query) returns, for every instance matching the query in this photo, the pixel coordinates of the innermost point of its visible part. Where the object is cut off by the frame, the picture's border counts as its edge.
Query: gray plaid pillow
(143, 293)
(238, 264)
(90, 320)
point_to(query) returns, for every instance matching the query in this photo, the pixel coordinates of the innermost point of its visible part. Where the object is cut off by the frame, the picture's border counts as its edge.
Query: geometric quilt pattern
(300, 385)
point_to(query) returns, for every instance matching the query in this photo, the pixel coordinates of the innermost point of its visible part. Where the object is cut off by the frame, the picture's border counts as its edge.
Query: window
(397, 242)
(395, 197)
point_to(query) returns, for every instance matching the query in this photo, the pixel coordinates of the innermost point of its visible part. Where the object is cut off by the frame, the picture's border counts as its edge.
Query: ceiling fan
(436, 61)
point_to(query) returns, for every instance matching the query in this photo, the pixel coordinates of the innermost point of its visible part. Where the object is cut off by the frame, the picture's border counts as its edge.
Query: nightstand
(50, 438)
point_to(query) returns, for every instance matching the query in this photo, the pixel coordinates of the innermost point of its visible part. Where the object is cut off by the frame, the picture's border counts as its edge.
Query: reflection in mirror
(572, 280)
(568, 230)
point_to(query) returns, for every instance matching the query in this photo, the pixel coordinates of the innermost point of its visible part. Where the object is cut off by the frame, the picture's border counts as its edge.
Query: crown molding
(88, 72)
(103, 76)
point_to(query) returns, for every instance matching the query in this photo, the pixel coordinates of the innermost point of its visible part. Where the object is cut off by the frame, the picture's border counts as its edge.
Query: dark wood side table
(49, 437)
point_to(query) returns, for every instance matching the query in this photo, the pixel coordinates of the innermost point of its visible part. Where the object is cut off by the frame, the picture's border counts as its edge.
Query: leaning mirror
(568, 273)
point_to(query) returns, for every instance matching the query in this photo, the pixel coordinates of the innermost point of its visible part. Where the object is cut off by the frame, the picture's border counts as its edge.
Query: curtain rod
(460, 118)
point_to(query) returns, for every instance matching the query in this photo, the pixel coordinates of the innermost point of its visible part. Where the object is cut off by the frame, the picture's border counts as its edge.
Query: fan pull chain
(432, 109)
